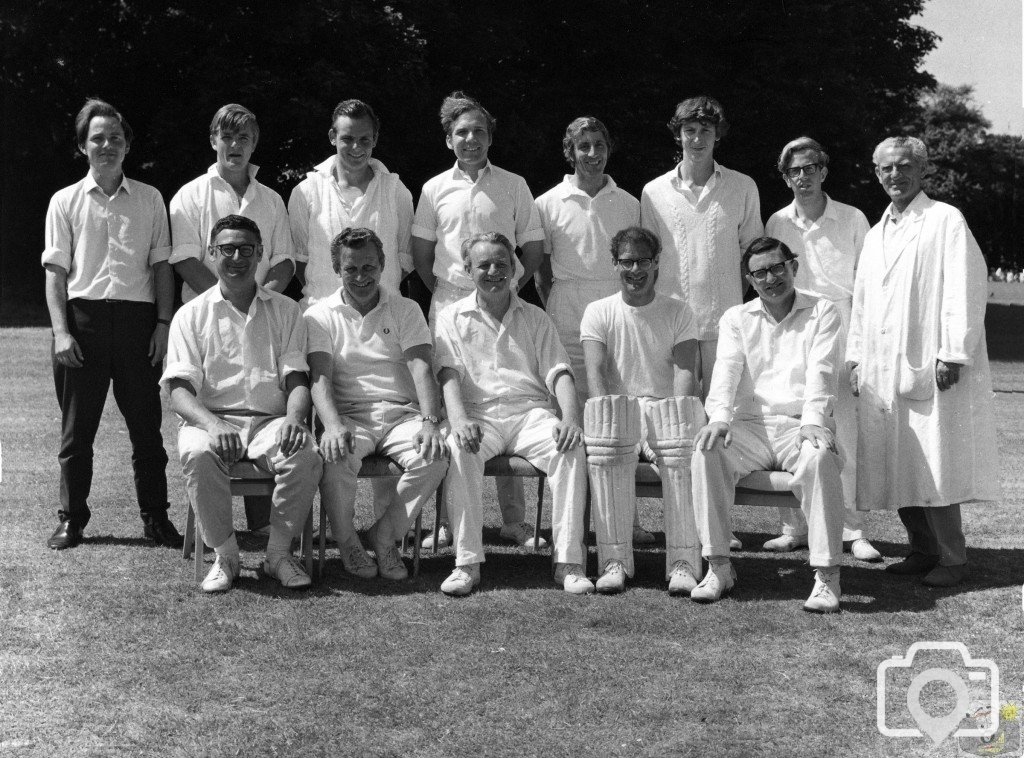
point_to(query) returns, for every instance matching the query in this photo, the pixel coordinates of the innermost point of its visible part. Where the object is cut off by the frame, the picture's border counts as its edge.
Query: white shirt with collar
(453, 207)
(507, 367)
(768, 368)
(702, 239)
(827, 249)
(107, 245)
(578, 228)
(198, 205)
(237, 362)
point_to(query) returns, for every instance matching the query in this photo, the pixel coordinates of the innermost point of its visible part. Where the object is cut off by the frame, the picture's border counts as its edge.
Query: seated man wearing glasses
(236, 373)
(826, 236)
(770, 407)
(640, 347)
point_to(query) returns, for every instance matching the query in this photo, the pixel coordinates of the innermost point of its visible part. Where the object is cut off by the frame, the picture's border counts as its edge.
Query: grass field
(110, 649)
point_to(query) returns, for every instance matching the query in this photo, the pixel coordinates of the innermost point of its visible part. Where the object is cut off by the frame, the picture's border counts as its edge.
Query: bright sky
(980, 45)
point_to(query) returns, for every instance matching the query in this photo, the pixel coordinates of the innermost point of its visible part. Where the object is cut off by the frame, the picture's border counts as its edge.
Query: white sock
(228, 550)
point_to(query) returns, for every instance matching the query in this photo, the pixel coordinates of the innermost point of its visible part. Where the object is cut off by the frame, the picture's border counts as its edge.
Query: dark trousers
(114, 339)
(937, 532)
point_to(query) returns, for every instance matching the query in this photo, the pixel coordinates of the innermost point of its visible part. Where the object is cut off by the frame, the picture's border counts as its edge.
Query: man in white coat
(919, 364)
(827, 237)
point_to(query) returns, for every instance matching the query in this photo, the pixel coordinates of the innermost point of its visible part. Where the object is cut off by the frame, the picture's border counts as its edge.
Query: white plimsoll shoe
(289, 572)
(682, 580)
(522, 535)
(642, 537)
(573, 579)
(222, 576)
(718, 582)
(786, 543)
(826, 593)
(734, 542)
(462, 580)
(864, 551)
(444, 538)
(613, 579)
(356, 561)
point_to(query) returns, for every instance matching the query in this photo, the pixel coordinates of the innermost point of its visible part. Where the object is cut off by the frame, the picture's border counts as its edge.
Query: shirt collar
(677, 176)
(469, 304)
(569, 189)
(326, 168)
(916, 207)
(262, 293)
(337, 300)
(212, 171)
(458, 173)
(90, 184)
(802, 300)
(830, 211)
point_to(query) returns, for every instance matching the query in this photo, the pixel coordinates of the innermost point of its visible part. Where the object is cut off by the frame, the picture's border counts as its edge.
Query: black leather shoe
(66, 535)
(162, 532)
(915, 563)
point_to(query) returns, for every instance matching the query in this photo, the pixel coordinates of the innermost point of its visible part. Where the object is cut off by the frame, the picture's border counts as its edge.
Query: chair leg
(438, 499)
(321, 542)
(198, 558)
(540, 513)
(306, 543)
(190, 525)
(416, 545)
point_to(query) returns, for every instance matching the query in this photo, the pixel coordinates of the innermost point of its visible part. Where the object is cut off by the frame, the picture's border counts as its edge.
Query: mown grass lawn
(110, 649)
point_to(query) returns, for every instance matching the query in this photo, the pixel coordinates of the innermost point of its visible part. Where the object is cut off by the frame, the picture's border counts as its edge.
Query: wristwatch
(431, 419)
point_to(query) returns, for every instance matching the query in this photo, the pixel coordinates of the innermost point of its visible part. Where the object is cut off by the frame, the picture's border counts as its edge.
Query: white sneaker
(786, 543)
(573, 579)
(864, 551)
(522, 535)
(444, 538)
(357, 562)
(613, 579)
(717, 583)
(734, 542)
(390, 563)
(682, 579)
(826, 593)
(220, 578)
(642, 537)
(289, 572)
(462, 580)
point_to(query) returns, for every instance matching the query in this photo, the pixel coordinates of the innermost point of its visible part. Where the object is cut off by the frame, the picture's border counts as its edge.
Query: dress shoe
(825, 596)
(288, 571)
(915, 563)
(786, 543)
(612, 579)
(66, 535)
(864, 551)
(163, 533)
(945, 576)
(682, 580)
(718, 582)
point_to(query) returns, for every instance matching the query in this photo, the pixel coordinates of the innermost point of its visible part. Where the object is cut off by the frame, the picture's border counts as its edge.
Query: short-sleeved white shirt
(237, 362)
(201, 203)
(578, 229)
(453, 207)
(368, 352)
(107, 245)
(639, 341)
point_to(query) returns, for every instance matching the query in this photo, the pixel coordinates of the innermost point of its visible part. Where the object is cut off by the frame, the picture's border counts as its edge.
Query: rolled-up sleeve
(185, 232)
(160, 246)
(298, 221)
(318, 336)
(58, 236)
(821, 379)
(281, 248)
(447, 349)
(404, 214)
(424, 224)
(293, 354)
(184, 359)
(552, 359)
(528, 224)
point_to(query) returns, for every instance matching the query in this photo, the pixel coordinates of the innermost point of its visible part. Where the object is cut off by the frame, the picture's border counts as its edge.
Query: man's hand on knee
(467, 434)
(567, 436)
(818, 436)
(291, 437)
(227, 442)
(708, 437)
(336, 443)
(429, 442)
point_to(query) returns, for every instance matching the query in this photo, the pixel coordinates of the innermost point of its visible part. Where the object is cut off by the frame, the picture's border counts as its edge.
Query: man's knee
(818, 458)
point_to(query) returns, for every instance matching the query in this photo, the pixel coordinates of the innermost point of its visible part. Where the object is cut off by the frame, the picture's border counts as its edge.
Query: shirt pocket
(916, 382)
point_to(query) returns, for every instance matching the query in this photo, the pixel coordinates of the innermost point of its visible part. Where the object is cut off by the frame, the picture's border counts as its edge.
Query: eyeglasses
(228, 251)
(809, 169)
(777, 271)
(628, 264)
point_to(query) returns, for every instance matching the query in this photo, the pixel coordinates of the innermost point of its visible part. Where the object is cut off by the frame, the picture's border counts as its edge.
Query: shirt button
(883, 330)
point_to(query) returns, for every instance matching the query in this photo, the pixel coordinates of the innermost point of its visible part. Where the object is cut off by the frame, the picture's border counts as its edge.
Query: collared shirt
(453, 207)
(898, 229)
(201, 203)
(514, 362)
(368, 352)
(702, 239)
(108, 245)
(827, 248)
(578, 228)
(786, 368)
(319, 210)
(237, 362)
(639, 342)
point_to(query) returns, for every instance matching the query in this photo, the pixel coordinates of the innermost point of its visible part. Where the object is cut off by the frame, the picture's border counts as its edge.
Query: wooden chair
(374, 467)
(247, 480)
(504, 465)
(768, 488)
